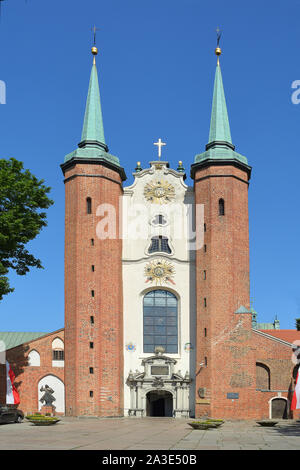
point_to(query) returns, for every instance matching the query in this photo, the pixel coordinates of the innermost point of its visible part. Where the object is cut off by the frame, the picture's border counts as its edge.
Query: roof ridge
(23, 337)
(274, 338)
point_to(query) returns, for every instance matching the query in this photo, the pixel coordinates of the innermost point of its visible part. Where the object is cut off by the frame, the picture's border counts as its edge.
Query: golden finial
(180, 166)
(94, 48)
(138, 166)
(218, 50)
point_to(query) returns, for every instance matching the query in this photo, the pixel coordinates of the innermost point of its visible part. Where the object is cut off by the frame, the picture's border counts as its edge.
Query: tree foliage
(22, 197)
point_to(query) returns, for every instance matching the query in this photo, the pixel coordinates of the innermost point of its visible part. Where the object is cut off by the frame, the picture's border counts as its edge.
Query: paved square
(148, 434)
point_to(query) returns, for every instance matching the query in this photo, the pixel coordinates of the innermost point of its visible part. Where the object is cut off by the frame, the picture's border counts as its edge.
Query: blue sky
(156, 68)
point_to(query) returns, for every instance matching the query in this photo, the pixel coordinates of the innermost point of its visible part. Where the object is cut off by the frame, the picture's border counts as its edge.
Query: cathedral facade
(157, 308)
(158, 267)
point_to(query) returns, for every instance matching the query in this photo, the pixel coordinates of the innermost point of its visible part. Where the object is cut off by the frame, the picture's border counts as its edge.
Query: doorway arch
(159, 403)
(278, 408)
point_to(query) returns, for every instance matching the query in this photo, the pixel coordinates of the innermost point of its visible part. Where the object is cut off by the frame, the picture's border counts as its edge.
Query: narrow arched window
(160, 321)
(221, 207)
(88, 205)
(263, 377)
(58, 353)
(34, 359)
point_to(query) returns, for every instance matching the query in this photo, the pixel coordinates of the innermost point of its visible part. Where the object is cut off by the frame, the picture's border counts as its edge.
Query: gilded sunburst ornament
(159, 192)
(159, 272)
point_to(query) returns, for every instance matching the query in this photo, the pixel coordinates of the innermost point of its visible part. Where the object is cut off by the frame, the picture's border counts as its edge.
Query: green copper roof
(221, 153)
(219, 147)
(12, 339)
(219, 123)
(93, 122)
(269, 326)
(92, 145)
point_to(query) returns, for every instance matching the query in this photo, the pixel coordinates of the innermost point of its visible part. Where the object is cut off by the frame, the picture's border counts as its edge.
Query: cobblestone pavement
(148, 434)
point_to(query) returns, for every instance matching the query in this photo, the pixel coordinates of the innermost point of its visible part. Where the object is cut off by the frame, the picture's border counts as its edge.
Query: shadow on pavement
(291, 429)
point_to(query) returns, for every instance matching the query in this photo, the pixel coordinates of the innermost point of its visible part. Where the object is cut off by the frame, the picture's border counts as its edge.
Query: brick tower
(225, 364)
(93, 270)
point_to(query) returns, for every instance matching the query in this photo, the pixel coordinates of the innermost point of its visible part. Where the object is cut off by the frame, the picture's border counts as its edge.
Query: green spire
(219, 147)
(93, 131)
(92, 146)
(219, 124)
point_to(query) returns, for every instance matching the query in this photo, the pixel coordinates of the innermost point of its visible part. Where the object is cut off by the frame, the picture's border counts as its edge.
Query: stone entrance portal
(159, 390)
(159, 403)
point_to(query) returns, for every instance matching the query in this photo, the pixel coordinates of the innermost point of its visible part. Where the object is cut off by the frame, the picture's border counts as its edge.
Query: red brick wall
(231, 347)
(227, 347)
(241, 342)
(26, 377)
(102, 185)
(277, 357)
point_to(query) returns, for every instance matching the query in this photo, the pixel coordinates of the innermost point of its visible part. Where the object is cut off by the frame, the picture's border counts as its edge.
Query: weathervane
(94, 29)
(159, 144)
(219, 34)
(218, 49)
(94, 48)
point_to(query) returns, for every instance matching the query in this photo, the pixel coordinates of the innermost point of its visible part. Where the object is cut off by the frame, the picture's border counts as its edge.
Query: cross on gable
(159, 144)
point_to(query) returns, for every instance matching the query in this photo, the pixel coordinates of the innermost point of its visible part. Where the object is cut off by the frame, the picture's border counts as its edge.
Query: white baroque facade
(159, 293)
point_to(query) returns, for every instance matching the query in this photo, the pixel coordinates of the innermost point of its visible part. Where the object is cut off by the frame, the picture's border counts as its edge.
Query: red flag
(295, 405)
(12, 396)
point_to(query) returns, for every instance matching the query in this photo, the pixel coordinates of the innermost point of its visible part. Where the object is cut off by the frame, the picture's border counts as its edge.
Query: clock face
(159, 192)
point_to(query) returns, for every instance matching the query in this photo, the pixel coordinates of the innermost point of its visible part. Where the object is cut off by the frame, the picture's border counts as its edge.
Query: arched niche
(59, 392)
(34, 359)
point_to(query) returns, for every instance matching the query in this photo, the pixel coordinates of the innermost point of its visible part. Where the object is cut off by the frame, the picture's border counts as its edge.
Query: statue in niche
(48, 398)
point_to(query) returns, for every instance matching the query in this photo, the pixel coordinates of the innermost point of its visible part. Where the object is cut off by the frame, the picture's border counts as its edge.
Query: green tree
(298, 324)
(22, 196)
